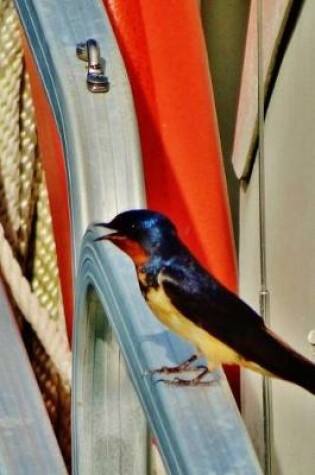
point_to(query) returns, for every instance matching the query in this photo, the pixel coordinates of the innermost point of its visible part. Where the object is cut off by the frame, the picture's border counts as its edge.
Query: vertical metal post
(264, 293)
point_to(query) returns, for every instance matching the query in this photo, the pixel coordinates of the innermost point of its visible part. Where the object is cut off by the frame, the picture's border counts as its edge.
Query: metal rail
(264, 295)
(27, 441)
(198, 430)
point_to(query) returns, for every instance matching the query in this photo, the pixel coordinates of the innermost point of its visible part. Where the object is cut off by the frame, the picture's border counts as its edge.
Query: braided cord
(24, 197)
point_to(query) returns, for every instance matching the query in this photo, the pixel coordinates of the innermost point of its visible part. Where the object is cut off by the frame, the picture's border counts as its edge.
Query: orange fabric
(53, 162)
(163, 47)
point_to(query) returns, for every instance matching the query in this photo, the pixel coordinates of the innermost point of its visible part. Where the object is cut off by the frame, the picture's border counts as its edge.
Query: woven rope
(18, 169)
(27, 247)
(54, 341)
(45, 282)
(28, 163)
(10, 73)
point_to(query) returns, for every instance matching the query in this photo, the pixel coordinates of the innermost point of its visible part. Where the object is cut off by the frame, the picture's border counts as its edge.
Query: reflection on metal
(102, 159)
(27, 441)
(264, 293)
(90, 52)
(198, 430)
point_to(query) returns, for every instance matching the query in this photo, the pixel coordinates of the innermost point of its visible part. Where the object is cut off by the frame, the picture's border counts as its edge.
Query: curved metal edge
(102, 151)
(276, 15)
(99, 132)
(112, 431)
(27, 441)
(199, 430)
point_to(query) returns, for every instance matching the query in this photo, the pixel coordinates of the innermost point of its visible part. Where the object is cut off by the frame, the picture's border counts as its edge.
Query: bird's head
(139, 233)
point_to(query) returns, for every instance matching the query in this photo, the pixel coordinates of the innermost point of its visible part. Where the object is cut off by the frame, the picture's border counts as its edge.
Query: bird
(192, 302)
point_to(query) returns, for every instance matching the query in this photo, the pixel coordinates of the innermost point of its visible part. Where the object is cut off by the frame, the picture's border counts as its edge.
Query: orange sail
(55, 173)
(165, 55)
(163, 48)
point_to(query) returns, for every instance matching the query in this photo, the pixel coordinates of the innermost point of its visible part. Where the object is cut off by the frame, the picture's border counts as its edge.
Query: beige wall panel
(290, 213)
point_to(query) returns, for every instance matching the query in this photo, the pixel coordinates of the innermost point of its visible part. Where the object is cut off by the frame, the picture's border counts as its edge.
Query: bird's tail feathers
(278, 359)
(258, 369)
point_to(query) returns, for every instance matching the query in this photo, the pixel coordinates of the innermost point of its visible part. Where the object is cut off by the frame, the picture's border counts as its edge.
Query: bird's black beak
(106, 237)
(119, 239)
(131, 247)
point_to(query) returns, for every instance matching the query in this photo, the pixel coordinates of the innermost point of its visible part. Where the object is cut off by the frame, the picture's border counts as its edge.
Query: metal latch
(96, 80)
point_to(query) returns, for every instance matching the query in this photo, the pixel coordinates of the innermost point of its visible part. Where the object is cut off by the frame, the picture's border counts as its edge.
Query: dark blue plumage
(191, 302)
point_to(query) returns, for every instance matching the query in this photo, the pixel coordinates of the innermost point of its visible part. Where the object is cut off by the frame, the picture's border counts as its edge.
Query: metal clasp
(89, 51)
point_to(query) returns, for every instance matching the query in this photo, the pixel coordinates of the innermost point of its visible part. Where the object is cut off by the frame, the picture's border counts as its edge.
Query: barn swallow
(194, 304)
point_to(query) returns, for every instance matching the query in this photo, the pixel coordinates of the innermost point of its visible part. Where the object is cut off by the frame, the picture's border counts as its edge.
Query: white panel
(290, 212)
(275, 15)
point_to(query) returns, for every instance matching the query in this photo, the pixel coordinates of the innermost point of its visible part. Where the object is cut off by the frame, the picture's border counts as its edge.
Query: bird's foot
(197, 381)
(185, 366)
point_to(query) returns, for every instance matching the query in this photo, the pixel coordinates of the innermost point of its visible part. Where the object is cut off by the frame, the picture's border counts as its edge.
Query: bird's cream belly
(215, 351)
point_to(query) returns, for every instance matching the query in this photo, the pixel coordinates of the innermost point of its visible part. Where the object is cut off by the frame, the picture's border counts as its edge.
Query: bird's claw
(197, 381)
(173, 370)
(185, 382)
(185, 366)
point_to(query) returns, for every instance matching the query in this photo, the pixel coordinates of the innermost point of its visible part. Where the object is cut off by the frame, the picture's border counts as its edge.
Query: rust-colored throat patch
(130, 247)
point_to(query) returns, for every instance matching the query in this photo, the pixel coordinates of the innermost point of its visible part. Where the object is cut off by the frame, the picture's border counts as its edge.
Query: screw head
(97, 83)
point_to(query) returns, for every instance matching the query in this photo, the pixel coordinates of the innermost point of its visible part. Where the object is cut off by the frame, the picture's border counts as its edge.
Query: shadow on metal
(199, 430)
(27, 441)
